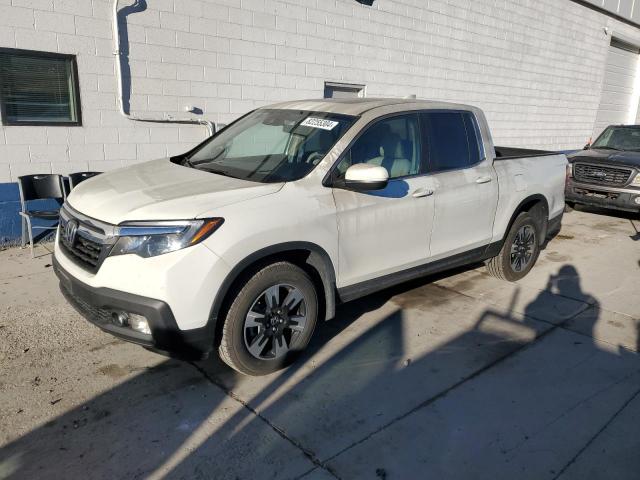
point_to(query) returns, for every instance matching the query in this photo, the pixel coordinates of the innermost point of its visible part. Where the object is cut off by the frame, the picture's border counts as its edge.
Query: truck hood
(631, 159)
(161, 190)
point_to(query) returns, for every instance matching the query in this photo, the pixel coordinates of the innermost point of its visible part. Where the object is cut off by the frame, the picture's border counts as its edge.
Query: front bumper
(98, 304)
(605, 197)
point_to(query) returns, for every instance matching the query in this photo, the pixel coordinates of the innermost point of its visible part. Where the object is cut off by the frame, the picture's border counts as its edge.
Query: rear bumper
(604, 197)
(98, 304)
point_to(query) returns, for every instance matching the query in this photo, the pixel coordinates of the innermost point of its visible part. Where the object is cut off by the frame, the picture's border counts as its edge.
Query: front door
(385, 231)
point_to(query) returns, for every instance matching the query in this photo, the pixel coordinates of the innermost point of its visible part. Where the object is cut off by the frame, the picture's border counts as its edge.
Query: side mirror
(587, 146)
(365, 177)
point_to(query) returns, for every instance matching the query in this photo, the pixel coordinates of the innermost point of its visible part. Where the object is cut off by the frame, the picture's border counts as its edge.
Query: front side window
(452, 140)
(38, 88)
(393, 143)
(271, 145)
(619, 138)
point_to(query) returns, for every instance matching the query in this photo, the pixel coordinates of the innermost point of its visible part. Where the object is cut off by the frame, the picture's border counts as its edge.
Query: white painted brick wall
(536, 67)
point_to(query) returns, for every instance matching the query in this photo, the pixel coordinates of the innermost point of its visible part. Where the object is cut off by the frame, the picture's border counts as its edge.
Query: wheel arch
(538, 207)
(309, 256)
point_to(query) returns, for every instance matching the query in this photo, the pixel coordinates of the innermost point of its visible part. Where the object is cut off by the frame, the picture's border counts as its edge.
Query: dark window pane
(393, 143)
(447, 142)
(37, 89)
(474, 138)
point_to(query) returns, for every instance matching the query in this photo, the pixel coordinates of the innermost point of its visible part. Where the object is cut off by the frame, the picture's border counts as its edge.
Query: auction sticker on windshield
(319, 123)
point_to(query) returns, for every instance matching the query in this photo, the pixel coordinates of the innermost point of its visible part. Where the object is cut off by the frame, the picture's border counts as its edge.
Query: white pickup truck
(243, 243)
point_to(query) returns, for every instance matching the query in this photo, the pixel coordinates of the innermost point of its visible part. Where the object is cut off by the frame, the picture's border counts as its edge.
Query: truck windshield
(271, 145)
(619, 138)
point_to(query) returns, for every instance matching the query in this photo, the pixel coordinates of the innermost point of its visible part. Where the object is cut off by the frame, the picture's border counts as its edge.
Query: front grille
(85, 241)
(603, 175)
(83, 250)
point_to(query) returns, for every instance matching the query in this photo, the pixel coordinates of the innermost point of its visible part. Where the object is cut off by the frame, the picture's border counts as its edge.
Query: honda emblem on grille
(70, 231)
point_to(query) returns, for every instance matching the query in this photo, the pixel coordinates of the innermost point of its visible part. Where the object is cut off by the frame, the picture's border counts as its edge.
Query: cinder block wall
(536, 67)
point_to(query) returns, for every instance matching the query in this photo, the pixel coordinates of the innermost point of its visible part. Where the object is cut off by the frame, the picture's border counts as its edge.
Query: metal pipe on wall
(118, 54)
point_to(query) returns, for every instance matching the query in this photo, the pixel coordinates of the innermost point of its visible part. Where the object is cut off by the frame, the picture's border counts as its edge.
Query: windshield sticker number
(319, 123)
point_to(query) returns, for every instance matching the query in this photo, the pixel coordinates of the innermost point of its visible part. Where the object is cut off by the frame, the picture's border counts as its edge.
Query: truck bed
(506, 153)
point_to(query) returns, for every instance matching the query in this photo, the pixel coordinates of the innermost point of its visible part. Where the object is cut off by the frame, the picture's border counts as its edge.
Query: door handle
(485, 179)
(422, 192)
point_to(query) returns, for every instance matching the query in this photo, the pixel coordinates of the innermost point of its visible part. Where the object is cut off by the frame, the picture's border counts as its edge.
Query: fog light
(121, 319)
(637, 200)
(139, 324)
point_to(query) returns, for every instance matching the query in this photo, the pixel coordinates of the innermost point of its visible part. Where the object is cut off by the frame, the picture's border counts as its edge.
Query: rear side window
(476, 149)
(452, 140)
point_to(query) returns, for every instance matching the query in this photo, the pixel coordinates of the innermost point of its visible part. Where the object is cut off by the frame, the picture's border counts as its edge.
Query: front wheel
(271, 318)
(519, 251)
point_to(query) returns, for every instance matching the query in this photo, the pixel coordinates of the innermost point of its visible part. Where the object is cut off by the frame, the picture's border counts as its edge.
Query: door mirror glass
(364, 176)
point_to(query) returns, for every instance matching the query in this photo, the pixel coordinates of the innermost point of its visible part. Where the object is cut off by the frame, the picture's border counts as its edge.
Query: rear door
(465, 183)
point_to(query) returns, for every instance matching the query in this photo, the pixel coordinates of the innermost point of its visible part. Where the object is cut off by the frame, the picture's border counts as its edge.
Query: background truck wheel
(569, 207)
(270, 320)
(519, 252)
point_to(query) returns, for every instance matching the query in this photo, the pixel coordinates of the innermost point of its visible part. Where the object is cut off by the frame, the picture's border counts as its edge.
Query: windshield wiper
(217, 172)
(607, 148)
(213, 158)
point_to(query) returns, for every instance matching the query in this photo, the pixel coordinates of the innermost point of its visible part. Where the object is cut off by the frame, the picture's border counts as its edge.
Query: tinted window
(452, 140)
(474, 138)
(393, 143)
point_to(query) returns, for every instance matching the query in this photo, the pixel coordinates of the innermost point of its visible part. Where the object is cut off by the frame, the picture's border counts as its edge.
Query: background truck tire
(501, 265)
(234, 349)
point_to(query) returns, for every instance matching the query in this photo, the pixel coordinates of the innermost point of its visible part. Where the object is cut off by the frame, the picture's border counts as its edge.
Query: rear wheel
(270, 320)
(519, 251)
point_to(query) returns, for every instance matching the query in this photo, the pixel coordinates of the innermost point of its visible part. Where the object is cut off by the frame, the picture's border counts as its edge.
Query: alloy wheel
(523, 248)
(275, 320)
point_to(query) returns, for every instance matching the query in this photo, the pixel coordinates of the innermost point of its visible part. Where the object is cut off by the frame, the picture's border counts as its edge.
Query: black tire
(234, 344)
(501, 266)
(569, 207)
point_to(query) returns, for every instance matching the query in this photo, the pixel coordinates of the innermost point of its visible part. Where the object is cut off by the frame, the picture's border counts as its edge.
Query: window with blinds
(38, 88)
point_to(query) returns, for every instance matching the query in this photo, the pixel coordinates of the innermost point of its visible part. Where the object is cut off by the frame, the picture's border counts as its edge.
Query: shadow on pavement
(353, 407)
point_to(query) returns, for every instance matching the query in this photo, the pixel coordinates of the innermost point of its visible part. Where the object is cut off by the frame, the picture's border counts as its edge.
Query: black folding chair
(79, 177)
(39, 187)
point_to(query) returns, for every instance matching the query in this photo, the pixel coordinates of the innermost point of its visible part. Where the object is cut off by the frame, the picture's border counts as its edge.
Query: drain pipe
(211, 128)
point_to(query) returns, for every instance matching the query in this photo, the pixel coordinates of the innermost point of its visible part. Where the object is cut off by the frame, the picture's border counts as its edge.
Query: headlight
(149, 239)
(636, 181)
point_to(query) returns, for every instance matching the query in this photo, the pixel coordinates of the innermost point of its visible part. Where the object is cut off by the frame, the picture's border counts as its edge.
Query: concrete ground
(460, 376)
